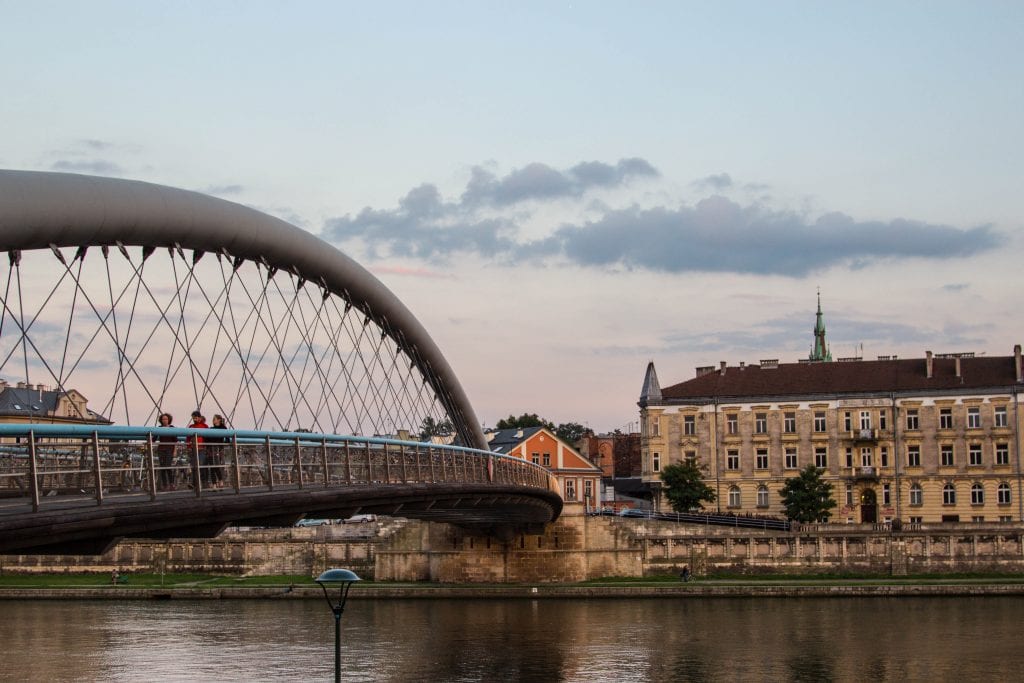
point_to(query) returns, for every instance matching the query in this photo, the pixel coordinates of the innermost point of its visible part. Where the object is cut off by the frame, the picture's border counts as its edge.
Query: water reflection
(670, 639)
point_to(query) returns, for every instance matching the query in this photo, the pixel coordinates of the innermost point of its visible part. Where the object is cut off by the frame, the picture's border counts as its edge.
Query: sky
(562, 192)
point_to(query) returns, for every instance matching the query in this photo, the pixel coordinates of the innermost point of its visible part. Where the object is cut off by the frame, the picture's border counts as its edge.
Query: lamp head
(337, 577)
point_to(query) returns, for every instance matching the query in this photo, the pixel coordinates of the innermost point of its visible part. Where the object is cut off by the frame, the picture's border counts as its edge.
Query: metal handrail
(44, 463)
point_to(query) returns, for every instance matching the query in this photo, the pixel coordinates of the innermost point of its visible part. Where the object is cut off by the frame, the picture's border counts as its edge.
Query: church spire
(821, 352)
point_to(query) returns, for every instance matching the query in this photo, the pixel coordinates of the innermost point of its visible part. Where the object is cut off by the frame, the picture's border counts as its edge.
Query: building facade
(579, 479)
(23, 402)
(927, 440)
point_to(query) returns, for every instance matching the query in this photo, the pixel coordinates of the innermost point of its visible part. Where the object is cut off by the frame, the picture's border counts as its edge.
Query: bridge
(122, 299)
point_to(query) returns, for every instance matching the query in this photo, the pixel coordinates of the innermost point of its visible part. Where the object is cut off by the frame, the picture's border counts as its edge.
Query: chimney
(721, 365)
(1016, 362)
(742, 364)
(928, 364)
(21, 385)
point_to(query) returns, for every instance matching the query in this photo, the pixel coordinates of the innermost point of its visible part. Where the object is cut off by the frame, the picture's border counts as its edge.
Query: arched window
(1003, 493)
(949, 495)
(762, 496)
(734, 496)
(977, 494)
(916, 494)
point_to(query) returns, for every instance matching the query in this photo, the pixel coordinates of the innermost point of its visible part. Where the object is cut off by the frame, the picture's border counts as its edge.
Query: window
(731, 423)
(974, 418)
(821, 457)
(912, 421)
(1002, 454)
(761, 423)
(656, 426)
(916, 520)
(819, 422)
(588, 489)
(883, 421)
(865, 419)
(974, 454)
(536, 458)
(866, 455)
(949, 495)
(848, 421)
(734, 496)
(761, 462)
(849, 457)
(789, 423)
(570, 489)
(916, 494)
(656, 462)
(1003, 494)
(946, 418)
(886, 494)
(547, 460)
(884, 456)
(913, 456)
(732, 460)
(977, 494)
(977, 518)
(1005, 518)
(946, 455)
(849, 494)
(1000, 416)
(690, 455)
(689, 424)
(762, 496)
(791, 463)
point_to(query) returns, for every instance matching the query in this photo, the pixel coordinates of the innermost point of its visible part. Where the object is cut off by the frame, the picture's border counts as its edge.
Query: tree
(432, 427)
(807, 497)
(685, 487)
(524, 420)
(571, 432)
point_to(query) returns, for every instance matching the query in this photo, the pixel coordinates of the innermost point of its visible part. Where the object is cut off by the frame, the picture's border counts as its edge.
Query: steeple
(651, 391)
(821, 352)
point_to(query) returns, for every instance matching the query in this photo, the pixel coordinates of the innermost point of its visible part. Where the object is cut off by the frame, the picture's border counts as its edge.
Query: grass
(140, 580)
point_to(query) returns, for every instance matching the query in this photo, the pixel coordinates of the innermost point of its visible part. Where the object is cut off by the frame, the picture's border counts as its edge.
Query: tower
(821, 352)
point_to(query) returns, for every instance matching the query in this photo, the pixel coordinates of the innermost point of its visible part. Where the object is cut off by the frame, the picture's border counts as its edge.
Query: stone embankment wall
(576, 548)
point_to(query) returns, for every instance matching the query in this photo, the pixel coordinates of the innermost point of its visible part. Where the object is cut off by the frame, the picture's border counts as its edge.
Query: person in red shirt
(199, 422)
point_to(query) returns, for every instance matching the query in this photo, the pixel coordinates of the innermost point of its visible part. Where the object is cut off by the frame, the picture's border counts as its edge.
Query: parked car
(359, 519)
(312, 522)
(631, 512)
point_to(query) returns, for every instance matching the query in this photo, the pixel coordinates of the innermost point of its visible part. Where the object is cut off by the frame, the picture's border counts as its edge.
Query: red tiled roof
(847, 378)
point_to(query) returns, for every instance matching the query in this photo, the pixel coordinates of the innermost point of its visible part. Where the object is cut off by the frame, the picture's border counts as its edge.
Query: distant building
(35, 403)
(617, 454)
(929, 439)
(578, 478)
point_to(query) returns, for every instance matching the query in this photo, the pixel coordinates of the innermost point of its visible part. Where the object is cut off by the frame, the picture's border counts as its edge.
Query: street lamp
(342, 579)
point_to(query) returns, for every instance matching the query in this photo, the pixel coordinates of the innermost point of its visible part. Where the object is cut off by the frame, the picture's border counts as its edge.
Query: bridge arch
(54, 211)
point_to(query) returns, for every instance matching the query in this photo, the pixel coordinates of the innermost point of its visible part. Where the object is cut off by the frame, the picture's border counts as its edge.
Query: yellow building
(930, 439)
(36, 403)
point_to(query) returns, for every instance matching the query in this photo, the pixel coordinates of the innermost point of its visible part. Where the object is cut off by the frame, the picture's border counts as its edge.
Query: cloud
(414, 272)
(955, 287)
(223, 190)
(716, 234)
(540, 182)
(98, 166)
(717, 182)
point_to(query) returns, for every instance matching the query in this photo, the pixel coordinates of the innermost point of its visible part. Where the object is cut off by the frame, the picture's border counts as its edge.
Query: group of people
(211, 452)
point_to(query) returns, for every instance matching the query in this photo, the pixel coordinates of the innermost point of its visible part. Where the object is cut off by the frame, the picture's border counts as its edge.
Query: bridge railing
(42, 464)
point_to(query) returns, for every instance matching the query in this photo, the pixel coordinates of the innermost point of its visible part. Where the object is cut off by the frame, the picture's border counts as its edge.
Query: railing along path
(43, 464)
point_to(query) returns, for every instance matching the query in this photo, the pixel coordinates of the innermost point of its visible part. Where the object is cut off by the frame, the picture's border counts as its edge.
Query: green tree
(524, 420)
(807, 497)
(431, 427)
(571, 432)
(685, 487)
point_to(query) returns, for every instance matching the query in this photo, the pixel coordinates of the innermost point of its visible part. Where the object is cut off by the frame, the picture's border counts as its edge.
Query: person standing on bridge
(165, 452)
(215, 453)
(196, 443)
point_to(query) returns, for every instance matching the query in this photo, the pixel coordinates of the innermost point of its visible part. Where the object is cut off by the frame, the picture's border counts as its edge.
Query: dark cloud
(541, 182)
(716, 182)
(955, 287)
(714, 235)
(719, 235)
(98, 166)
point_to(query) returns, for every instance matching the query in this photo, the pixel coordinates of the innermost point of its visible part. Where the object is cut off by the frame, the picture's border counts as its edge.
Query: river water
(667, 639)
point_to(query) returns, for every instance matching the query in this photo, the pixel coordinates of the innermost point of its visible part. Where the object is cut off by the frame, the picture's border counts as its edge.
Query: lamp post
(342, 579)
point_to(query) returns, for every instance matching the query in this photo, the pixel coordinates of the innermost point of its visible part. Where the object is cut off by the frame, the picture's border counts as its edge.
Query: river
(669, 639)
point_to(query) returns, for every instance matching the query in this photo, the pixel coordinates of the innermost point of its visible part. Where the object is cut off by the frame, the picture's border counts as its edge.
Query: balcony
(865, 474)
(864, 435)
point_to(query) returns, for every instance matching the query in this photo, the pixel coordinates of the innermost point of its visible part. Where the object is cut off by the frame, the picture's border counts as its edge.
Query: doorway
(868, 506)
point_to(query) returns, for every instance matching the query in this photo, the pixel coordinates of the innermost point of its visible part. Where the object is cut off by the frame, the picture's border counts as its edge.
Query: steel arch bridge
(123, 300)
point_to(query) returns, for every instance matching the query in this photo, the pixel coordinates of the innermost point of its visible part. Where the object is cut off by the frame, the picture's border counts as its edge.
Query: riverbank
(156, 587)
